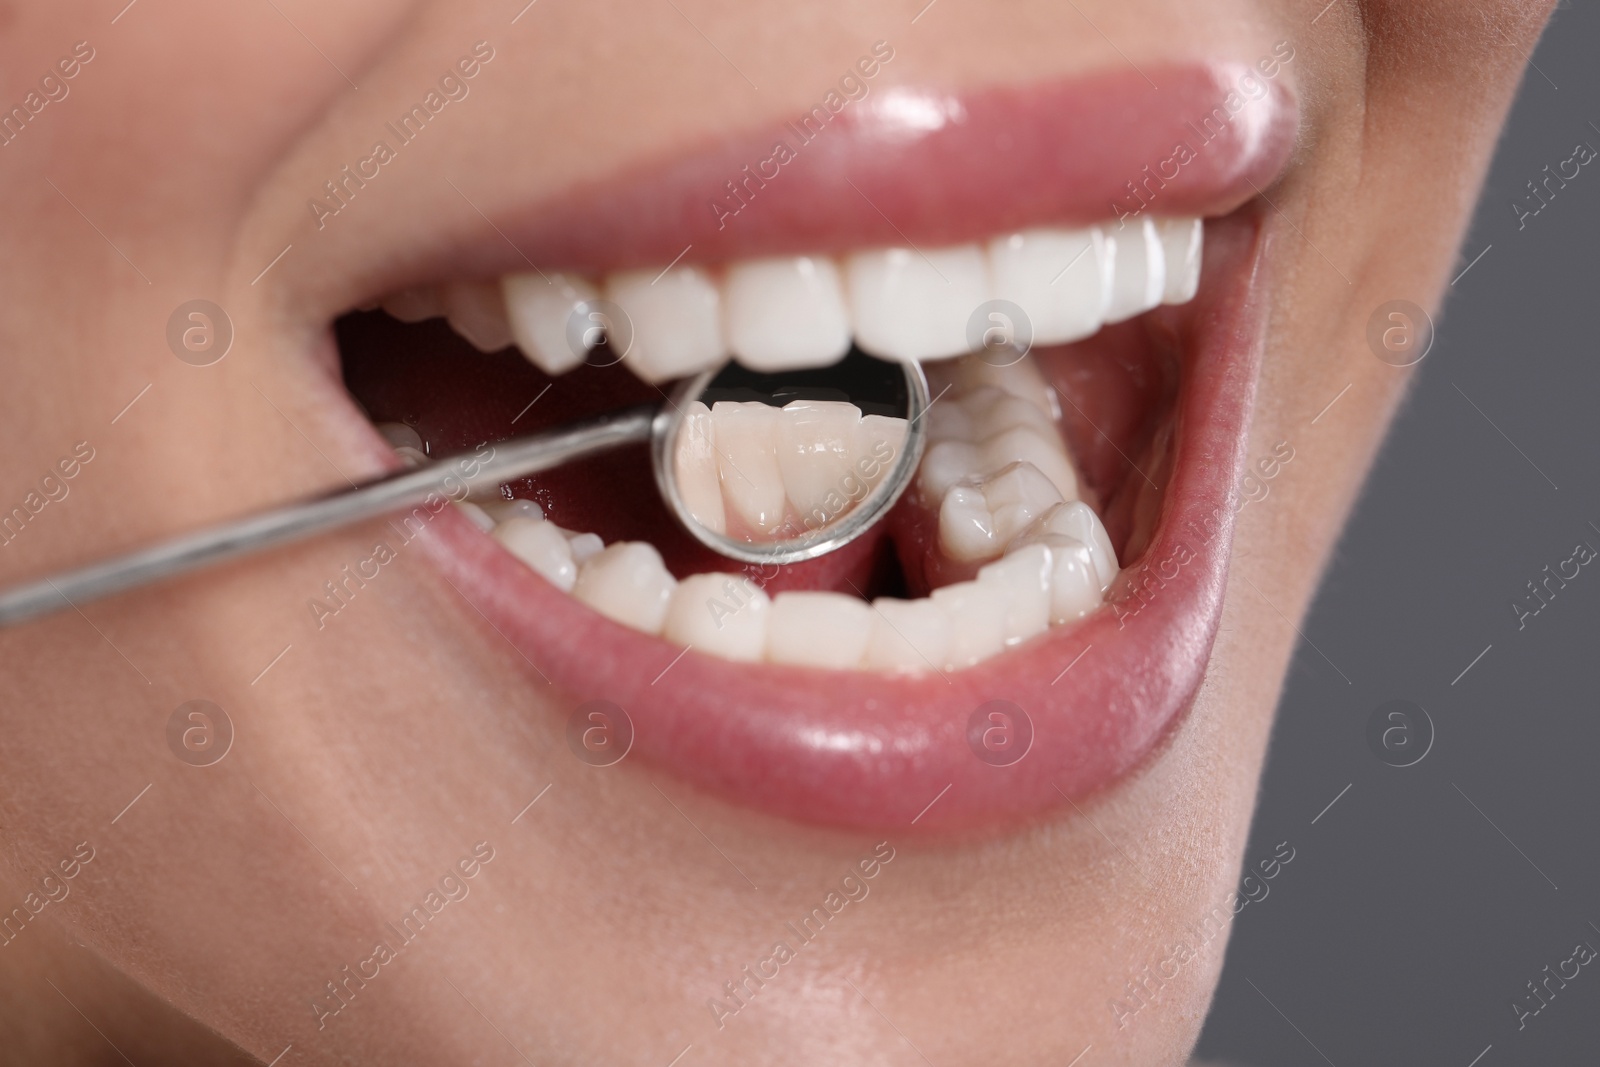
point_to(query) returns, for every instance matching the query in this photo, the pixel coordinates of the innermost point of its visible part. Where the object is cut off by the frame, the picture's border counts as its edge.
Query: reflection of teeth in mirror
(778, 313)
(759, 473)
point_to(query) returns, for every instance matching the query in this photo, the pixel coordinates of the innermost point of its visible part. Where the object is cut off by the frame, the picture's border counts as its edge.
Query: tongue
(458, 398)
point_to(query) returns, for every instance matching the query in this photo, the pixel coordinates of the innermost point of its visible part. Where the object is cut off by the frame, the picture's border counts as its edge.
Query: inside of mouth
(1107, 400)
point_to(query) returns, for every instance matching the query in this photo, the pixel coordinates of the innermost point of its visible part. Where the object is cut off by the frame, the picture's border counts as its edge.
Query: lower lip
(870, 751)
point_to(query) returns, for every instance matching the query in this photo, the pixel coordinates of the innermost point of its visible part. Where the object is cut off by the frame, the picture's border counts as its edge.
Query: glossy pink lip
(863, 750)
(931, 168)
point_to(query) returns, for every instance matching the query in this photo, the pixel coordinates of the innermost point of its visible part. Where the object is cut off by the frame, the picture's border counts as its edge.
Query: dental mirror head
(779, 468)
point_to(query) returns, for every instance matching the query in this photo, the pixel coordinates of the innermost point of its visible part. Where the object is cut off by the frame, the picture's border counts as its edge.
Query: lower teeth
(1005, 494)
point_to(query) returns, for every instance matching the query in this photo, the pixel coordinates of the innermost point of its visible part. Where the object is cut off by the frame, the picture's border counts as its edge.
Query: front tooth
(477, 311)
(720, 614)
(907, 636)
(539, 307)
(966, 526)
(676, 317)
(1024, 579)
(541, 546)
(1180, 242)
(911, 306)
(817, 629)
(879, 439)
(786, 313)
(816, 451)
(627, 583)
(1054, 275)
(415, 305)
(1139, 275)
(746, 436)
(978, 615)
(695, 463)
(1077, 520)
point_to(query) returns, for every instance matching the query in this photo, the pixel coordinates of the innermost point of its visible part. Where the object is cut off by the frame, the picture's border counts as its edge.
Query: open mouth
(1039, 606)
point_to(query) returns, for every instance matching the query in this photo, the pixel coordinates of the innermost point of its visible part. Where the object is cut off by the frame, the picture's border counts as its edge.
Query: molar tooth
(677, 321)
(949, 422)
(1024, 577)
(1077, 520)
(978, 615)
(911, 306)
(966, 526)
(816, 453)
(993, 411)
(1139, 277)
(786, 313)
(946, 463)
(1055, 276)
(817, 629)
(977, 522)
(627, 583)
(415, 305)
(746, 436)
(1026, 444)
(1180, 243)
(695, 461)
(721, 614)
(1021, 379)
(538, 306)
(907, 636)
(541, 546)
(1016, 496)
(476, 311)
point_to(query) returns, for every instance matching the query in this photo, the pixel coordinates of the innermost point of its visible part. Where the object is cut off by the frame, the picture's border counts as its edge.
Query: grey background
(1409, 919)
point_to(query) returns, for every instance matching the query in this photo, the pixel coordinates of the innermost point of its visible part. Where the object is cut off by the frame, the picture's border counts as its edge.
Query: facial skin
(374, 755)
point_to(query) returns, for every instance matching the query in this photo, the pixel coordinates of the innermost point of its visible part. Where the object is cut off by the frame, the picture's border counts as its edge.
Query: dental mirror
(836, 451)
(767, 468)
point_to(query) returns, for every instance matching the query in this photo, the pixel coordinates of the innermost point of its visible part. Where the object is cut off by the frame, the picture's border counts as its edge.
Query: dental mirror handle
(294, 522)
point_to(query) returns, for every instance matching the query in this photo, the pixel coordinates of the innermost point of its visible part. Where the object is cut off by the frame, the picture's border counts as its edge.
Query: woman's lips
(867, 750)
(863, 749)
(902, 164)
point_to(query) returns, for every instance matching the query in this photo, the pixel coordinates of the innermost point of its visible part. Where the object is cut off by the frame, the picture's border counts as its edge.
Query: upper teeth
(789, 312)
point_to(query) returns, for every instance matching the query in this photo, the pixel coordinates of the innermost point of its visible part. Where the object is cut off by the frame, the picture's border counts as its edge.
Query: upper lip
(1060, 152)
(877, 751)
